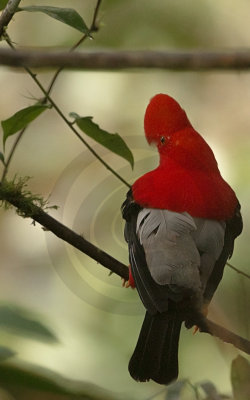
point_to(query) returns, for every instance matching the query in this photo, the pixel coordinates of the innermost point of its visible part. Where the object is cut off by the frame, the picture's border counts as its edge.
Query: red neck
(187, 179)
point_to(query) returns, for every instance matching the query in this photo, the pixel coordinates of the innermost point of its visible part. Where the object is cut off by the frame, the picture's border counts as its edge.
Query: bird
(181, 221)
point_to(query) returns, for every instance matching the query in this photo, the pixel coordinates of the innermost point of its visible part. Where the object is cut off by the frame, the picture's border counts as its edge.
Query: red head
(163, 117)
(188, 178)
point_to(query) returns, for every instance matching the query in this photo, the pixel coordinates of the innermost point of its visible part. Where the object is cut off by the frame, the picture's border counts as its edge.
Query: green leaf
(6, 353)
(66, 15)
(240, 377)
(2, 158)
(32, 379)
(19, 377)
(3, 4)
(21, 119)
(18, 321)
(111, 141)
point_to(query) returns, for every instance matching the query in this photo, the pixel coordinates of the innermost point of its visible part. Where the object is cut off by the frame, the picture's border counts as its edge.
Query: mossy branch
(15, 193)
(28, 205)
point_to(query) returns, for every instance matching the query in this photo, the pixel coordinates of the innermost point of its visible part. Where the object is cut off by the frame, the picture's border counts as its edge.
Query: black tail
(156, 353)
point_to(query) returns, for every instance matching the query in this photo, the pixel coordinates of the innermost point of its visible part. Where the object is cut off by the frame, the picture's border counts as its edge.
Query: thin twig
(7, 14)
(238, 270)
(93, 28)
(192, 60)
(11, 154)
(68, 123)
(53, 81)
(59, 112)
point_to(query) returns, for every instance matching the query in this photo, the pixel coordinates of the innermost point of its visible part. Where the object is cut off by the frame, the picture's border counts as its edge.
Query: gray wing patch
(180, 250)
(171, 253)
(209, 239)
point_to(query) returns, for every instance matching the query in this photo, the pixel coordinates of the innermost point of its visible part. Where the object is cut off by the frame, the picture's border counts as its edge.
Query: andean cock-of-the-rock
(181, 222)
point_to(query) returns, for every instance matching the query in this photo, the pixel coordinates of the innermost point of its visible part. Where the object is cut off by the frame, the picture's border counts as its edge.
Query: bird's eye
(163, 139)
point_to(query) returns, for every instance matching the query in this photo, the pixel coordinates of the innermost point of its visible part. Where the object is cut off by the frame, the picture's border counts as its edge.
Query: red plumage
(188, 178)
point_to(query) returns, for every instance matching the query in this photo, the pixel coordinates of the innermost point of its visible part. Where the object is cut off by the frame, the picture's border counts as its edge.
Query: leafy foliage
(66, 15)
(21, 322)
(21, 119)
(112, 141)
(43, 380)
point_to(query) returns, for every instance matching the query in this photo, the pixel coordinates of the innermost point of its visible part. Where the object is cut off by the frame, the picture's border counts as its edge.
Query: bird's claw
(204, 312)
(130, 282)
(196, 329)
(126, 284)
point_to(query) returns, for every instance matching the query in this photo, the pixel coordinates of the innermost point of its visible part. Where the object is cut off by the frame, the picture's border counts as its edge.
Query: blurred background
(97, 321)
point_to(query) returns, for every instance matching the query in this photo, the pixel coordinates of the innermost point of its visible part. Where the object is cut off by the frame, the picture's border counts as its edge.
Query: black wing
(234, 228)
(155, 297)
(156, 353)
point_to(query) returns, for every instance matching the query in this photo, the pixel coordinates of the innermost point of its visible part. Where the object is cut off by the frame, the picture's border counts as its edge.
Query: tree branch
(7, 14)
(192, 60)
(238, 270)
(207, 326)
(29, 209)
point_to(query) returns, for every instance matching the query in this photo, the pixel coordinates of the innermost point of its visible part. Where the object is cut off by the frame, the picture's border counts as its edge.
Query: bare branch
(7, 14)
(63, 232)
(238, 271)
(192, 60)
(207, 326)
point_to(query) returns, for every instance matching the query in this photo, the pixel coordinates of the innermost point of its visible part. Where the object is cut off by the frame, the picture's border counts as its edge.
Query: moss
(16, 193)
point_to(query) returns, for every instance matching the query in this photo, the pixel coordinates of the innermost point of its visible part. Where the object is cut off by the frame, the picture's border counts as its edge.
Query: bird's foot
(130, 282)
(126, 284)
(204, 312)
